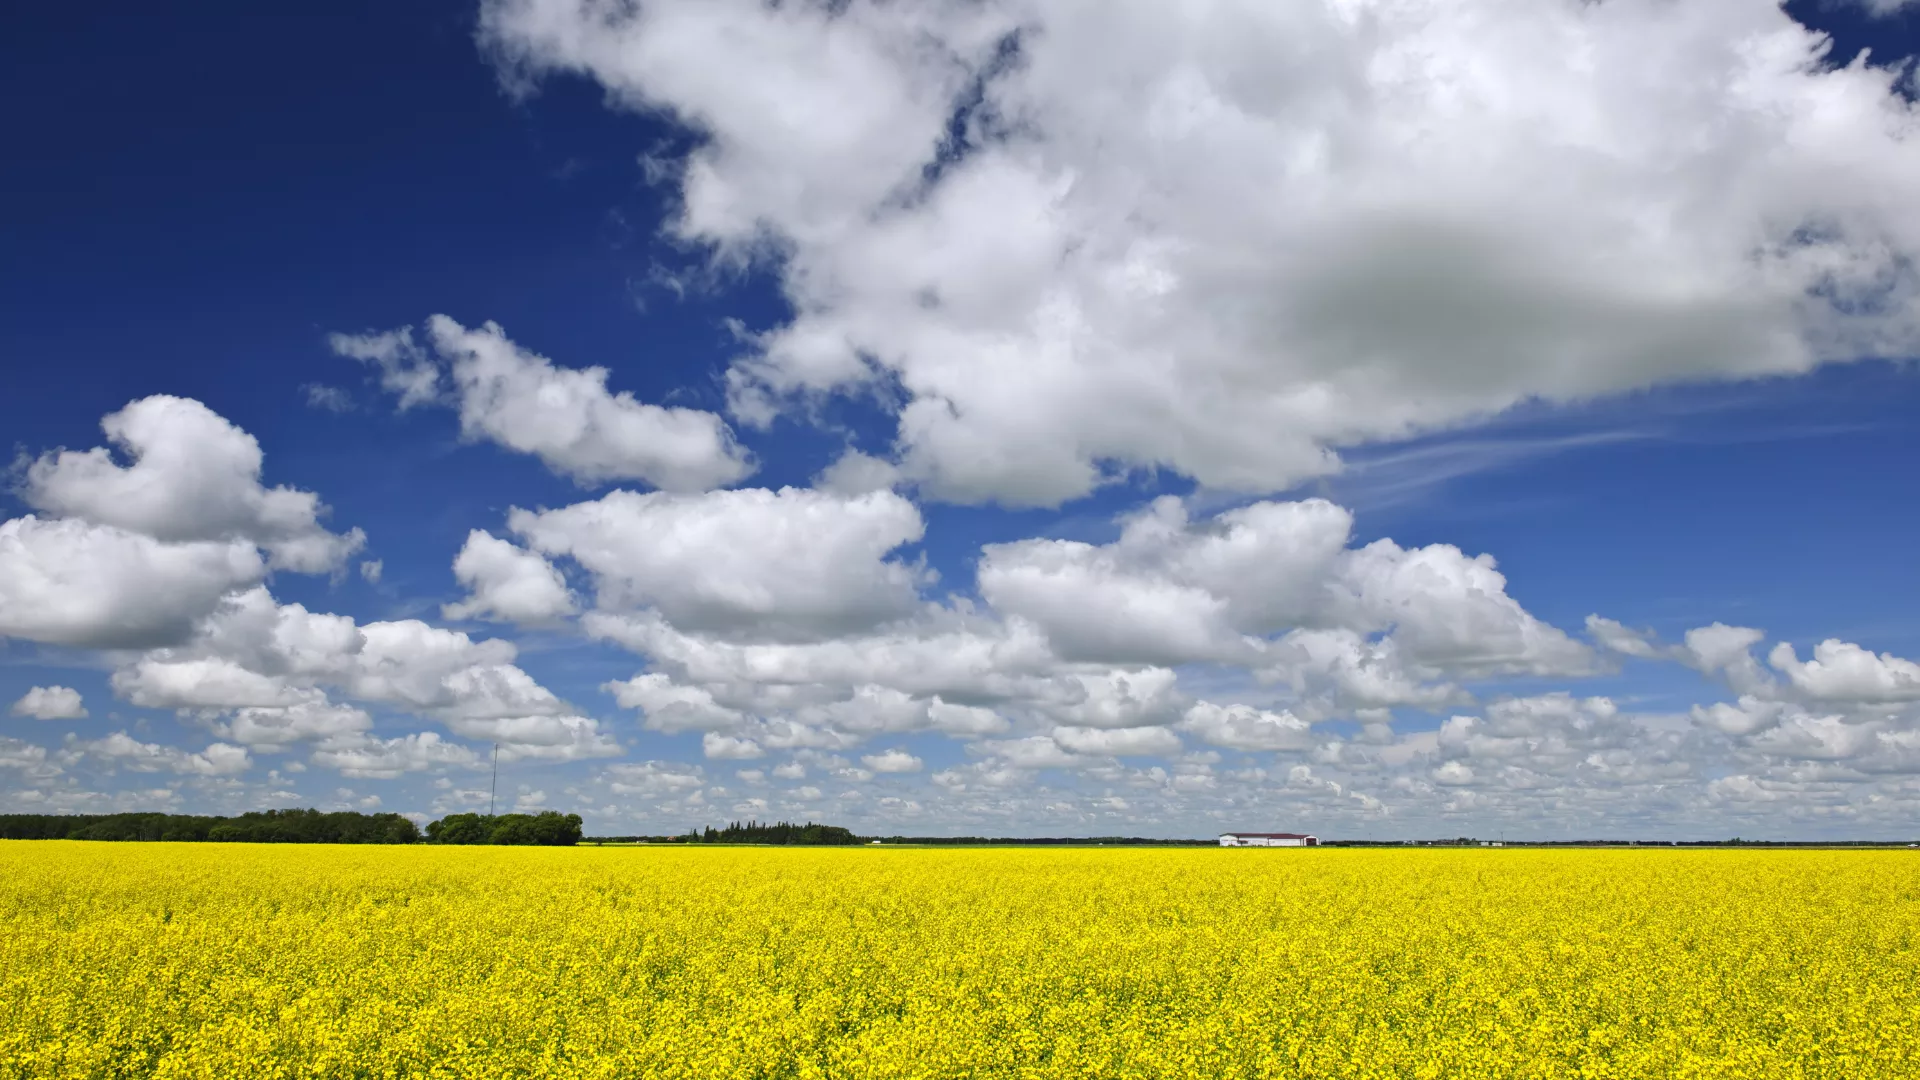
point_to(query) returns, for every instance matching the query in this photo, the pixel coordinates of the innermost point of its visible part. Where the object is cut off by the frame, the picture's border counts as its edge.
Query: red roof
(1272, 835)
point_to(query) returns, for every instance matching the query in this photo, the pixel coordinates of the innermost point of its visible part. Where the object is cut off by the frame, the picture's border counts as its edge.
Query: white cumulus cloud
(892, 761)
(69, 582)
(121, 749)
(1243, 727)
(193, 476)
(50, 703)
(792, 563)
(386, 759)
(507, 583)
(1118, 742)
(1841, 671)
(730, 748)
(1230, 239)
(1173, 590)
(564, 416)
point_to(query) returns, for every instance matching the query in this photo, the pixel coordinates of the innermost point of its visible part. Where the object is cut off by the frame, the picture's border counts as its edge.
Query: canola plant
(217, 961)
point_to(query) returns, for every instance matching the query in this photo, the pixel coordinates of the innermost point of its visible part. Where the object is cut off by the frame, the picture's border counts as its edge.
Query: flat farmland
(181, 960)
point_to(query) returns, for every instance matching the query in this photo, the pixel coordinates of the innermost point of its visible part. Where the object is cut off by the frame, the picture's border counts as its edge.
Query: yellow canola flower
(220, 961)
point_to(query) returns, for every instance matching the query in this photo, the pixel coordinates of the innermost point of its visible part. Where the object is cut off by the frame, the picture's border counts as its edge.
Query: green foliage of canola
(217, 961)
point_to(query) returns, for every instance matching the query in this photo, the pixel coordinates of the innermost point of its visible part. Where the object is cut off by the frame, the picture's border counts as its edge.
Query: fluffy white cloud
(1095, 610)
(855, 473)
(1720, 647)
(963, 721)
(792, 563)
(1349, 668)
(957, 655)
(727, 747)
(1452, 612)
(1555, 712)
(1118, 742)
(1808, 737)
(50, 703)
(385, 759)
(545, 738)
(892, 761)
(654, 779)
(121, 749)
(1558, 744)
(564, 416)
(260, 673)
(1848, 707)
(1750, 715)
(867, 710)
(279, 639)
(405, 370)
(316, 721)
(19, 754)
(842, 718)
(68, 582)
(254, 652)
(1032, 752)
(1124, 698)
(507, 583)
(209, 682)
(1840, 674)
(1243, 727)
(135, 555)
(670, 707)
(429, 668)
(194, 477)
(1617, 637)
(1172, 590)
(1841, 671)
(1227, 239)
(1059, 652)
(1848, 710)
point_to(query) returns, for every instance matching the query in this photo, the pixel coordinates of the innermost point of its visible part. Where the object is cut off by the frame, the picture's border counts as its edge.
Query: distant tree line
(297, 827)
(258, 827)
(548, 828)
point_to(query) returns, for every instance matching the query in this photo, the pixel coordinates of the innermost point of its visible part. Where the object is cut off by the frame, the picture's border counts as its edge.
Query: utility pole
(495, 789)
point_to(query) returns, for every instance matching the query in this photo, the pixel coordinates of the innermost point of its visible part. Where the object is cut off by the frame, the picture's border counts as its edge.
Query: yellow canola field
(233, 961)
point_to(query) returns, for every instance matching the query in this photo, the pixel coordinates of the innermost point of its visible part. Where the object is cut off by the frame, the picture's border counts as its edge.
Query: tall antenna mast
(495, 789)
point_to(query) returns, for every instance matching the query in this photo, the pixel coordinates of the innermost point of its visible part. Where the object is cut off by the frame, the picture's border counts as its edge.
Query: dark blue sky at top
(192, 196)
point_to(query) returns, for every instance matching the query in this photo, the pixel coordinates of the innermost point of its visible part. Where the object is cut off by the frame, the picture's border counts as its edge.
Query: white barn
(1268, 839)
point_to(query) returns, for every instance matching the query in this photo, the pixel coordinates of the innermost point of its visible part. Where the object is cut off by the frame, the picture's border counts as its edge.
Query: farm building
(1268, 839)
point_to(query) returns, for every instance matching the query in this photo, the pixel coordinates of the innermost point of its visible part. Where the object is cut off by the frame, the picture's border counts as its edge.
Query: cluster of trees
(259, 827)
(549, 828)
(783, 833)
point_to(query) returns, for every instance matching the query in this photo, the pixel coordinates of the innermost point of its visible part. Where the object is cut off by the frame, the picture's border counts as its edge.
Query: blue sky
(1494, 281)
